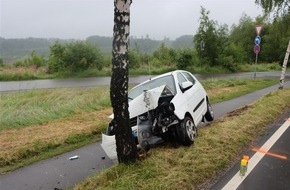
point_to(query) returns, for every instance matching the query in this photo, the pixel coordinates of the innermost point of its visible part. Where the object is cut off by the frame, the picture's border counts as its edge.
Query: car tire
(209, 115)
(188, 131)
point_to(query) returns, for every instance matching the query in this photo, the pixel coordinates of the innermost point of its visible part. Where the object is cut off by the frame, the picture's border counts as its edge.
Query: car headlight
(143, 117)
(145, 134)
(171, 107)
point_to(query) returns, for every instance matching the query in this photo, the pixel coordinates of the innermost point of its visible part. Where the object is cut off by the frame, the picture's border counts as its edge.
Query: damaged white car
(168, 107)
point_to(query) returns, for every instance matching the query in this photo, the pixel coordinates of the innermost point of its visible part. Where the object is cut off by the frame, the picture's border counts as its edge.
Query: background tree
(275, 39)
(210, 40)
(280, 6)
(275, 34)
(206, 40)
(243, 35)
(126, 147)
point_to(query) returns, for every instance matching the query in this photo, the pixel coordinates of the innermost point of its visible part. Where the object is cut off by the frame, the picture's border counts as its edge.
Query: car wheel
(209, 116)
(189, 131)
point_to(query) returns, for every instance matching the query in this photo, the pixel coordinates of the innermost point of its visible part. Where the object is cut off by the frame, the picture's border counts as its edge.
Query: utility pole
(284, 67)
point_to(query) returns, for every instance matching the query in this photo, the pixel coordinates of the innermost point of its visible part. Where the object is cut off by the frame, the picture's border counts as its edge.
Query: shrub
(75, 56)
(186, 58)
(227, 62)
(1, 62)
(134, 59)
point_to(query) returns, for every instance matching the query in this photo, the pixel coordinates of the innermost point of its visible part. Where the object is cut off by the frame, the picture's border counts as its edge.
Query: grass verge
(225, 89)
(217, 145)
(38, 124)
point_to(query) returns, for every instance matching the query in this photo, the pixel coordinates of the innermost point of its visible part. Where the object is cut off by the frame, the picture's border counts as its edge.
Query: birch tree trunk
(126, 147)
(284, 67)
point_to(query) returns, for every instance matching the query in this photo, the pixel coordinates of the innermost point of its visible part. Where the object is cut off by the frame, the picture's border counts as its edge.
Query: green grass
(32, 107)
(260, 67)
(217, 145)
(225, 89)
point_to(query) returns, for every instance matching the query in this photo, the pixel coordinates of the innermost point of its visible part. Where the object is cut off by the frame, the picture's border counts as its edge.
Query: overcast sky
(79, 19)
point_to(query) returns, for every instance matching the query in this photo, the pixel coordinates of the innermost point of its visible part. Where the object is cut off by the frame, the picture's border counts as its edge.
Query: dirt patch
(239, 111)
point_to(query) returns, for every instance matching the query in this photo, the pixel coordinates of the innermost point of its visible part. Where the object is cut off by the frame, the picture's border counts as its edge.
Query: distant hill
(13, 49)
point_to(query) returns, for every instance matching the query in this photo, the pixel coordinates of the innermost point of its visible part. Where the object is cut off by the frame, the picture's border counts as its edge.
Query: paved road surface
(269, 167)
(96, 81)
(59, 172)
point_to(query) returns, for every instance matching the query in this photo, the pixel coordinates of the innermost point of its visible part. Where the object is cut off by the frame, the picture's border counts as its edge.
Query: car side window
(180, 79)
(189, 77)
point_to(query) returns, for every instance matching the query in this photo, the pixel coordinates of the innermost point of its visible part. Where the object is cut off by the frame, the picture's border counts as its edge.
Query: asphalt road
(269, 164)
(59, 172)
(96, 81)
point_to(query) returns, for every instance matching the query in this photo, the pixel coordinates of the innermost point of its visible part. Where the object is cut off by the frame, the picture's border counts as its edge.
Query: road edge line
(255, 159)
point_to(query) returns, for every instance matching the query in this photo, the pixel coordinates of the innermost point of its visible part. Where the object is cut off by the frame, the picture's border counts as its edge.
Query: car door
(196, 97)
(186, 100)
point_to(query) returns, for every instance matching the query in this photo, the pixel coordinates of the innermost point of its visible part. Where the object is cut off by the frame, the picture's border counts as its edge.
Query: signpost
(258, 40)
(259, 28)
(257, 48)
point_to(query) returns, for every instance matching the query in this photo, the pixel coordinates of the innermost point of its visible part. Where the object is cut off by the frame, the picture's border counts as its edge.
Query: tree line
(214, 44)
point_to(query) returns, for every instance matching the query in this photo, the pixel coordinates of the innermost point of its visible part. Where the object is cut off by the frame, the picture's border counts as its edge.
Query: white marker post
(284, 67)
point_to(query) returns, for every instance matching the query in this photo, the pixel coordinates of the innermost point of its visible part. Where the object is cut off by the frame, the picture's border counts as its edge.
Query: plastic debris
(73, 157)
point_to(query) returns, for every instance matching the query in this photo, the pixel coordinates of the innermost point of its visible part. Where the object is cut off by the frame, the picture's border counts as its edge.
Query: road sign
(259, 28)
(258, 40)
(256, 49)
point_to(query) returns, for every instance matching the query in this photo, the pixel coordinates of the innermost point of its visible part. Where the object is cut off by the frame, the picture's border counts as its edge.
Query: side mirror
(186, 85)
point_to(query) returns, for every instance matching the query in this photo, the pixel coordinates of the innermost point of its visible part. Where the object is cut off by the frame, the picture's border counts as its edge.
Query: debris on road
(73, 157)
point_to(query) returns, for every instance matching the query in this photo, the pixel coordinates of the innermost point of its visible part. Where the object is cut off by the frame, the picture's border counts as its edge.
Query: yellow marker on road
(243, 167)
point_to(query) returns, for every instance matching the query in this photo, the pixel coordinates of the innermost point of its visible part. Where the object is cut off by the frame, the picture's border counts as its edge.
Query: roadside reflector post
(284, 66)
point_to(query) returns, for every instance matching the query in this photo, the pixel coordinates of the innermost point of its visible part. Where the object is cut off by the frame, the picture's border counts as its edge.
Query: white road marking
(255, 159)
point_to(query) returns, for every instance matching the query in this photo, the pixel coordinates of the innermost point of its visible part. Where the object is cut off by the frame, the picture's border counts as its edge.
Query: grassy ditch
(38, 124)
(217, 145)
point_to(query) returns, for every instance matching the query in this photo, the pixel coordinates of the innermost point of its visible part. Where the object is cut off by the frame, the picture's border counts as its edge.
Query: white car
(167, 107)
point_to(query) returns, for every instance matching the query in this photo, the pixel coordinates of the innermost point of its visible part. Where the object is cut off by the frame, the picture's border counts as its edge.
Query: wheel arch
(187, 114)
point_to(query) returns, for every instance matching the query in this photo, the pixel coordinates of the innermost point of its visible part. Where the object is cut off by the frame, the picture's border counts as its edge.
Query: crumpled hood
(146, 101)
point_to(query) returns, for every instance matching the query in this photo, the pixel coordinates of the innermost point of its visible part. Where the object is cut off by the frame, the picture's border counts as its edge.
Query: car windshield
(166, 80)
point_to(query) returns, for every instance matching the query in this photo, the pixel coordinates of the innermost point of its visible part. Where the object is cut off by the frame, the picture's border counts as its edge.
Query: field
(38, 124)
